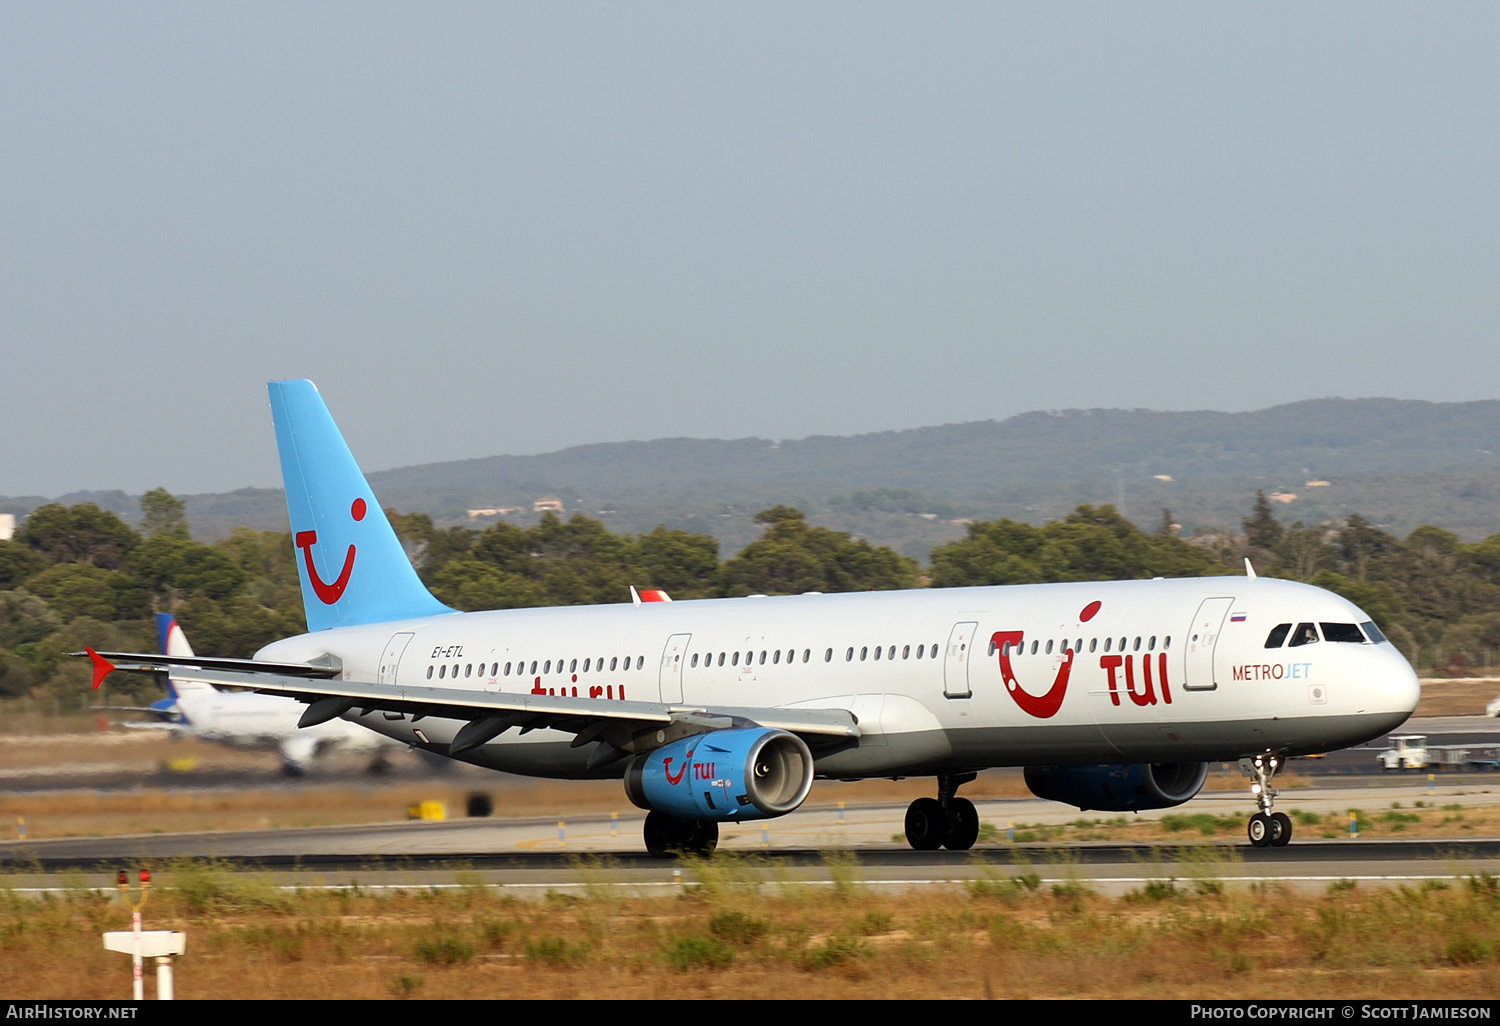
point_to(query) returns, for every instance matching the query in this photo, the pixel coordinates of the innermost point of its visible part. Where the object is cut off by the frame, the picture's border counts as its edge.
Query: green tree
(162, 513)
(792, 557)
(1262, 529)
(173, 565)
(1091, 543)
(78, 534)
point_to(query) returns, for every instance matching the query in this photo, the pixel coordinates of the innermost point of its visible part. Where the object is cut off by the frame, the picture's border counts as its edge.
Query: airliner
(1114, 695)
(196, 708)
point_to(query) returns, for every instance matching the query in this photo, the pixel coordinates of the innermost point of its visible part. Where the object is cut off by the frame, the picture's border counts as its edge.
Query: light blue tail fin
(351, 564)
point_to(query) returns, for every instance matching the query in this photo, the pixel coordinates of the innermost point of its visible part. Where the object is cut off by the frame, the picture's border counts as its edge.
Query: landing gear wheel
(1259, 830)
(668, 836)
(660, 830)
(963, 821)
(926, 824)
(1281, 829)
(705, 837)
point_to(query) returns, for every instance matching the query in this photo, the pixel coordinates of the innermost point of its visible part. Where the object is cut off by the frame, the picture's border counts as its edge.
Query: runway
(531, 856)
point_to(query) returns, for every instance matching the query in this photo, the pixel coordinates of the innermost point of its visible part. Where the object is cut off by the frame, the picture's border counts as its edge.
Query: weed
(834, 951)
(686, 953)
(1154, 890)
(444, 949)
(1342, 886)
(556, 951)
(1467, 949)
(987, 833)
(403, 985)
(844, 871)
(1306, 818)
(737, 927)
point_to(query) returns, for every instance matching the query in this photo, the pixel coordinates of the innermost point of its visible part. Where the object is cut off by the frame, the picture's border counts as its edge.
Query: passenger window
(1151, 645)
(1166, 643)
(1107, 643)
(828, 656)
(864, 653)
(1093, 644)
(933, 653)
(721, 658)
(736, 660)
(1049, 646)
(614, 661)
(694, 662)
(573, 666)
(877, 653)
(547, 666)
(468, 669)
(762, 657)
(443, 672)
(1344, 632)
(906, 652)
(1278, 635)
(429, 673)
(921, 649)
(1137, 646)
(495, 670)
(455, 670)
(849, 655)
(1305, 634)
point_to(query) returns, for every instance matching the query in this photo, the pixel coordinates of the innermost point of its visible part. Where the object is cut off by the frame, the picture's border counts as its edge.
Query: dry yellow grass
(737, 937)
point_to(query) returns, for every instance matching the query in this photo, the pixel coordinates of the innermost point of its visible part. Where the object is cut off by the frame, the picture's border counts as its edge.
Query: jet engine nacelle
(1119, 788)
(746, 773)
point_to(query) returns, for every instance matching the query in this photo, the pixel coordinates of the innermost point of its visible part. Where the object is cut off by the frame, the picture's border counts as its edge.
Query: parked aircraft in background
(195, 708)
(1114, 695)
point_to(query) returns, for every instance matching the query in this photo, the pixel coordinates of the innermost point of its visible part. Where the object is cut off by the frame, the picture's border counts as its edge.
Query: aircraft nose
(1402, 689)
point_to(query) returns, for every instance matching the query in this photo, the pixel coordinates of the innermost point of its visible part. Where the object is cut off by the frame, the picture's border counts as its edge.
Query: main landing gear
(668, 836)
(1266, 828)
(946, 821)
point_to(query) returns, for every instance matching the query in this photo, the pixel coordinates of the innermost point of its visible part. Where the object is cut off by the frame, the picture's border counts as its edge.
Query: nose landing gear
(1266, 828)
(946, 821)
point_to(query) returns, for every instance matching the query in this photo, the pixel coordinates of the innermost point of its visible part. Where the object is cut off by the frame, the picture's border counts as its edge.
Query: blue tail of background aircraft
(351, 564)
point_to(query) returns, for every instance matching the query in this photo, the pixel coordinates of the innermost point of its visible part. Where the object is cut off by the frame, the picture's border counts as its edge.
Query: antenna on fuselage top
(1249, 570)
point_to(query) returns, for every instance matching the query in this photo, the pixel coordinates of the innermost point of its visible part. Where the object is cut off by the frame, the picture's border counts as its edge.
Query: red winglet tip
(102, 667)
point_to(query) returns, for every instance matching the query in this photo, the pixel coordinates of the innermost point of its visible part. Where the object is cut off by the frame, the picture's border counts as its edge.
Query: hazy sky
(510, 228)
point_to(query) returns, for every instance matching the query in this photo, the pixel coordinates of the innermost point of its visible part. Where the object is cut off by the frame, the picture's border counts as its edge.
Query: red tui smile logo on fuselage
(1045, 705)
(328, 594)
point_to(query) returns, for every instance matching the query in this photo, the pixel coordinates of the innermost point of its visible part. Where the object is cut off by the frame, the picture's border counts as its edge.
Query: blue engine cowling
(747, 773)
(1119, 788)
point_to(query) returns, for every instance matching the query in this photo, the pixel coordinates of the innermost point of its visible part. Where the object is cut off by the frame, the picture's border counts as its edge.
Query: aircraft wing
(623, 728)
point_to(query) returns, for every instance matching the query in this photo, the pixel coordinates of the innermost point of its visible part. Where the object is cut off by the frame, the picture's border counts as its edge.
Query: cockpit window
(1372, 632)
(1278, 635)
(1346, 632)
(1305, 634)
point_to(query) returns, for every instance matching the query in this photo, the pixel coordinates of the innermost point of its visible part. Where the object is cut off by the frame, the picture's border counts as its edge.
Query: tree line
(78, 575)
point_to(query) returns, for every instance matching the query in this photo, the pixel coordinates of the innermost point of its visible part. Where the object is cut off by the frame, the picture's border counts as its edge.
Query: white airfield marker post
(142, 944)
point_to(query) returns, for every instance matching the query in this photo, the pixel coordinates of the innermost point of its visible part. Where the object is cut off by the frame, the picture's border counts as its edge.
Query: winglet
(1249, 570)
(634, 595)
(102, 667)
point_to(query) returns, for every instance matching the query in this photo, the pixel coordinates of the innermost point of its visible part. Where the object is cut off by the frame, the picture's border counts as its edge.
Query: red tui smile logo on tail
(1040, 706)
(328, 594)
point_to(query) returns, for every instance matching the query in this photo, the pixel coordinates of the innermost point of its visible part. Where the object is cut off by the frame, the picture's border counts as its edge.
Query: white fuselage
(1110, 672)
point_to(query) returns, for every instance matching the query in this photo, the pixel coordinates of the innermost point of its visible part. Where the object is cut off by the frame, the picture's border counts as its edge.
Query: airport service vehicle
(239, 719)
(1412, 752)
(1113, 695)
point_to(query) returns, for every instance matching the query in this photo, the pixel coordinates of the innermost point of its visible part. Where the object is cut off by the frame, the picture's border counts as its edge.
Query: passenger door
(956, 659)
(673, 663)
(1202, 636)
